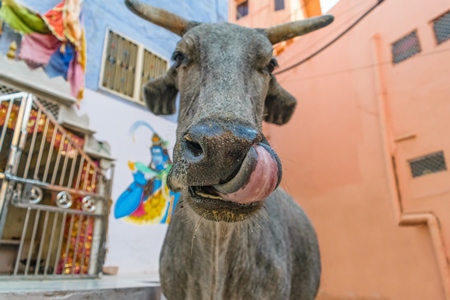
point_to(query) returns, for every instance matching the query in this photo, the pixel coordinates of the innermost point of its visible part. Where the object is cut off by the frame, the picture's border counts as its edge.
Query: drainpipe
(405, 219)
(434, 228)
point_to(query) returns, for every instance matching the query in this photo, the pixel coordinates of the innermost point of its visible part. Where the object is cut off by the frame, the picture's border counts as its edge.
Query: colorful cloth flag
(22, 19)
(55, 22)
(60, 61)
(54, 41)
(75, 76)
(36, 49)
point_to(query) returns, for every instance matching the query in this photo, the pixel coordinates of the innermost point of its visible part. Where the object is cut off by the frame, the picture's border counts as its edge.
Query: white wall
(134, 249)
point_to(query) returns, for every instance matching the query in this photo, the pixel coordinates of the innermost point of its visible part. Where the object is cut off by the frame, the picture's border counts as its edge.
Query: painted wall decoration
(148, 200)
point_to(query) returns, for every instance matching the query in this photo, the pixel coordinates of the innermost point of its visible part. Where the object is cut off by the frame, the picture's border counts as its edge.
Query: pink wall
(356, 113)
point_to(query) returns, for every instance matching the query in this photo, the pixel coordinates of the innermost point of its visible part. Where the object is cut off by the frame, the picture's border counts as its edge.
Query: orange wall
(356, 112)
(262, 12)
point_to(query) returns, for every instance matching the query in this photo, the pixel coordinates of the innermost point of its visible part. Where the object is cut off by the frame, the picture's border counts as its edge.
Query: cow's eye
(272, 65)
(178, 57)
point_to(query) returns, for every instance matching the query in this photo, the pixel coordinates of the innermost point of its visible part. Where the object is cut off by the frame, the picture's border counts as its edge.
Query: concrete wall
(357, 112)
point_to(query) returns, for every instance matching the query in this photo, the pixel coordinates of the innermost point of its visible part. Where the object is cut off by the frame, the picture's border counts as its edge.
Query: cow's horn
(290, 30)
(160, 17)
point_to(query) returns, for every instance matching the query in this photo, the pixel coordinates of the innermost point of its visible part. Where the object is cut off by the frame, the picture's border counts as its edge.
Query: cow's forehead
(221, 34)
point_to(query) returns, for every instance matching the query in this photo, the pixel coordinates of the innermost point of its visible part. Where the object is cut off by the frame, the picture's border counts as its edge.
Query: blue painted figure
(148, 200)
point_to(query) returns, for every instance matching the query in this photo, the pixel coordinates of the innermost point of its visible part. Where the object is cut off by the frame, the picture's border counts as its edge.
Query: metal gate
(53, 197)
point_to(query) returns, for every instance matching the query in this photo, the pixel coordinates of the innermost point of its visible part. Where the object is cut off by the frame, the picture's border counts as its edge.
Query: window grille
(279, 5)
(428, 164)
(405, 47)
(120, 65)
(127, 66)
(241, 10)
(5, 90)
(153, 67)
(51, 107)
(441, 27)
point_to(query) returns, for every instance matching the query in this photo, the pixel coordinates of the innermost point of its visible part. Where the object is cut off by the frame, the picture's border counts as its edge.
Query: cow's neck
(217, 238)
(216, 257)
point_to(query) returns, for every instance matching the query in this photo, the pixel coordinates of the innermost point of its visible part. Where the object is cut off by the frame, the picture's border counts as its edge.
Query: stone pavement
(105, 288)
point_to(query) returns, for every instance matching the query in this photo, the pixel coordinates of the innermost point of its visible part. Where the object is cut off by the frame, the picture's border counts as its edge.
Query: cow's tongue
(255, 180)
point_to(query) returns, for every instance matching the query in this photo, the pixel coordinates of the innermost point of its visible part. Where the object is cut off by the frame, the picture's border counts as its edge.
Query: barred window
(127, 66)
(405, 47)
(241, 10)
(428, 164)
(120, 65)
(154, 67)
(279, 5)
(441, 27)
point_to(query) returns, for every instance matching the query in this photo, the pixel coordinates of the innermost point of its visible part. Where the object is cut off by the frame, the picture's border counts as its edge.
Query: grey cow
(235, 235)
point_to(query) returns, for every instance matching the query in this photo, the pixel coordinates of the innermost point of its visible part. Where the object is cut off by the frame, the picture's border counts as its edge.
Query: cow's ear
(160, 94)
(279, 105)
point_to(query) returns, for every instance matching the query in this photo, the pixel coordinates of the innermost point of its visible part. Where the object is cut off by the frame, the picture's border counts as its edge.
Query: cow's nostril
(193, 147)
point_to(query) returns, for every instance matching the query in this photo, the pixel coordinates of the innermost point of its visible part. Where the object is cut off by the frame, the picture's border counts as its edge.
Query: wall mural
(148, 200)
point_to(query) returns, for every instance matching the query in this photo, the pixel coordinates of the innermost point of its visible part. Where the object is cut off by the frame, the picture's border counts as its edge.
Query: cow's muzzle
(258, 176)
(228, 165)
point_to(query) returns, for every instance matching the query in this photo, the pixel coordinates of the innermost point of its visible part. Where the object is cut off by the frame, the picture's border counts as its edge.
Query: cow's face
(223, 73)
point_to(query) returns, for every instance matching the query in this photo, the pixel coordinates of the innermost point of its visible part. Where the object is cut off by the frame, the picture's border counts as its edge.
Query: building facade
(123, 53)
(266, 13)
(366, 152)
